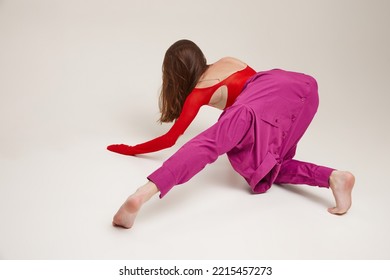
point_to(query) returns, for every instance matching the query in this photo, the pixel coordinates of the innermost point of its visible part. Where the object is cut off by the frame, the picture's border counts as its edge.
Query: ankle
(146, 191)
(333, 178)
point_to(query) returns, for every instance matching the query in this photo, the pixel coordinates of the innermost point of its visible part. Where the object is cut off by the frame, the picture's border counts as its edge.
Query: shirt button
(303, 99)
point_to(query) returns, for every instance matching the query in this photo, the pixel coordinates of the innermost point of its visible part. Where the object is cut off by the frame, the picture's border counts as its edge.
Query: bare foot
(341, 184)
(127, 213)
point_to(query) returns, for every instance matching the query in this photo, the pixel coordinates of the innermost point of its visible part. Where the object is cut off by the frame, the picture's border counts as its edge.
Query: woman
(264, 116)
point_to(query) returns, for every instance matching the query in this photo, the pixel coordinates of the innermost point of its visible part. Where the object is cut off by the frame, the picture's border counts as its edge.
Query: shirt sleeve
(203, 149)
(190, 109)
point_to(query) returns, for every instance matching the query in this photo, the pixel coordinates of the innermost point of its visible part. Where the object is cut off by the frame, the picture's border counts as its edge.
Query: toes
(121, 224)
(336, 211)
(331, 210)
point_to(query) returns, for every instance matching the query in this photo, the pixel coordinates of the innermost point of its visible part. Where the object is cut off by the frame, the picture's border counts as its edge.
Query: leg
(295, 172)
(203, 149)
(340, 182)
(186, 162)
(127, 213)
(299, 172)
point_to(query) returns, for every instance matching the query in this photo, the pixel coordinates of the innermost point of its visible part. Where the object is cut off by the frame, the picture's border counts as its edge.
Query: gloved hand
(122, 149)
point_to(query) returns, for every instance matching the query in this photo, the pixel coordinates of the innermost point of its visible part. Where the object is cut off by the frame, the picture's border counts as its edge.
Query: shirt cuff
(164, 179)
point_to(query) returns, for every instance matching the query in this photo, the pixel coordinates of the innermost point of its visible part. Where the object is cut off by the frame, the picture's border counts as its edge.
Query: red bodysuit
(195, 100)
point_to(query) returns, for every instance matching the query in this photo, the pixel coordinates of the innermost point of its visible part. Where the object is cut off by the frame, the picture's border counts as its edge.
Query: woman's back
(216, 73)
(220, 70)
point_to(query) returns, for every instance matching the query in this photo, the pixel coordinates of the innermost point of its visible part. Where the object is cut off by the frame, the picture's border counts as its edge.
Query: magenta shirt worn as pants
(259, 133)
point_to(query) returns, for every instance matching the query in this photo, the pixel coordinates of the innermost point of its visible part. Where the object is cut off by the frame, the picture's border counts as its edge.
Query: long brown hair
(183, 65)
